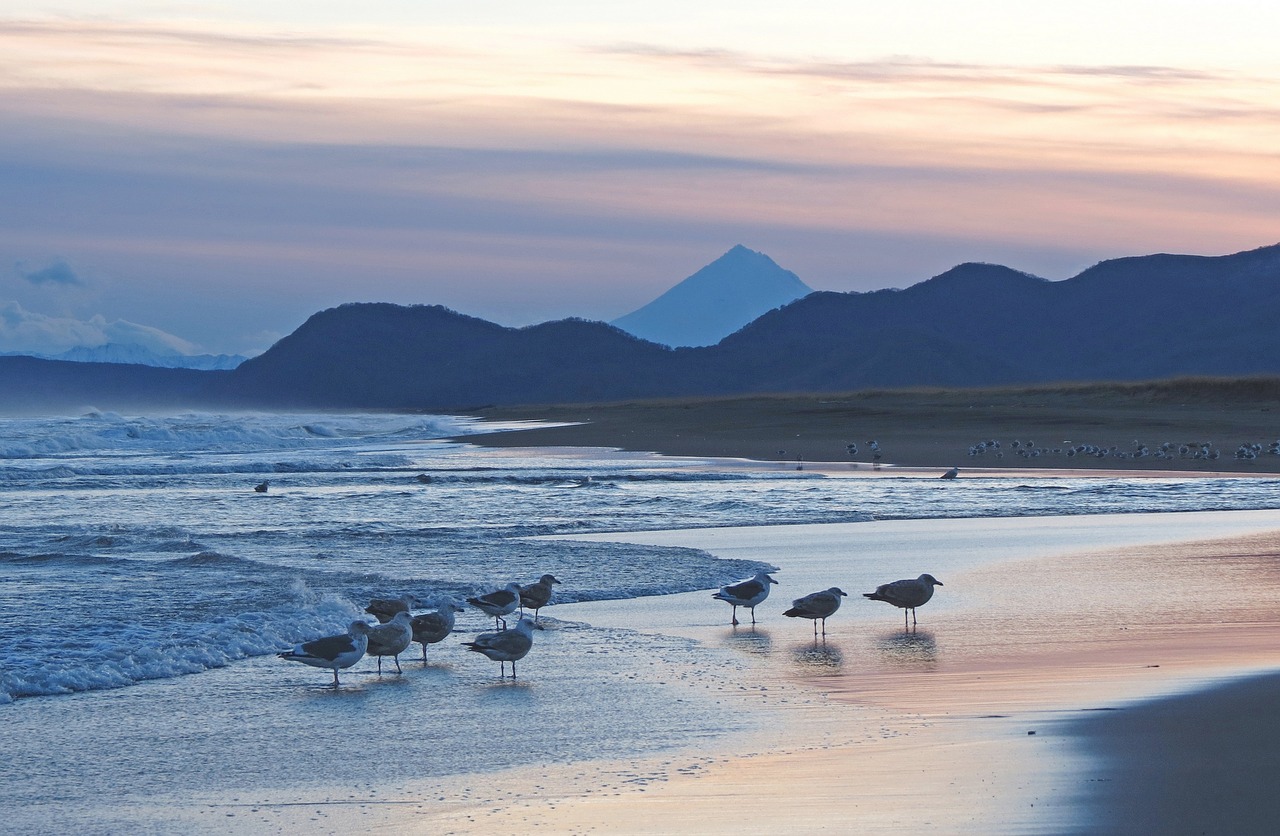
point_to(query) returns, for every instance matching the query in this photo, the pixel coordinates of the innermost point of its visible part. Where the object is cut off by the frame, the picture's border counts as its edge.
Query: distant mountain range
(728, 293)
(1136, 318)
(136, 354)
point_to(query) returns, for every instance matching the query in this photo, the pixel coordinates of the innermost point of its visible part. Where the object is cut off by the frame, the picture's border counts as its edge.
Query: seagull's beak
(939, 583)
(771, 580)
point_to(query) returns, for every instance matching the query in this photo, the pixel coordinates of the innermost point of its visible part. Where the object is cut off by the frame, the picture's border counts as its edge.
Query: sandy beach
(939, 428)
(1073, 675)
(1030, 699)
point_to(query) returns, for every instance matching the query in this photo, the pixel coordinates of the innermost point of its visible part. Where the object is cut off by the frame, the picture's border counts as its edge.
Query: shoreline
(970, 723)
(921, 731)
(928, 428)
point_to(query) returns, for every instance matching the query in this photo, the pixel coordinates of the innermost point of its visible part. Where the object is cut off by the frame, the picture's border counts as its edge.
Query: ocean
(147, 588)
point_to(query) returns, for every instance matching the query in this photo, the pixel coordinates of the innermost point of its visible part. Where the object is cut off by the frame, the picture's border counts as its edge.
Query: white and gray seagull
(748, 593)
(391, 639)
(536, 595)
(817, 605)
(498, 603)
(385, 609)
(505, 645)
(433, 627)
(332, 652)
(907, 594)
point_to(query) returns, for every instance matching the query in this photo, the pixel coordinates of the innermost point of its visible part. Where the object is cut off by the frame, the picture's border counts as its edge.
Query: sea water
(146, 589)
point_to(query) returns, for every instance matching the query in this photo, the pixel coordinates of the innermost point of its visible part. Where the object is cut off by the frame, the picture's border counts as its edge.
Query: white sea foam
(147, 532)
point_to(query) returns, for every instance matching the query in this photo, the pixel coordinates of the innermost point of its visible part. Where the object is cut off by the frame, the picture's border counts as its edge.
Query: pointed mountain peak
(740, 257)
(728, 293)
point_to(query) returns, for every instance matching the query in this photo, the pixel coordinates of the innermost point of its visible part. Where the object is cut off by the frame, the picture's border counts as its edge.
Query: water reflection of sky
(913, 648)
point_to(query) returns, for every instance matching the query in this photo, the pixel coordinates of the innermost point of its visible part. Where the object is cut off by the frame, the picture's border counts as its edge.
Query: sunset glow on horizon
(222, 173)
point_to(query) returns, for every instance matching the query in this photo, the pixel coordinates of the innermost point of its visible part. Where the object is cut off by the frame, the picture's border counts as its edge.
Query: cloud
(57, 273)
(25, 331)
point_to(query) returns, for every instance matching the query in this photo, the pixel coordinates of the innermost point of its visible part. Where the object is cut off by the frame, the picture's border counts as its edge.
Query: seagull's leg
(397, 658)
(504, 622)
(913, 617)
(753, 615)
(905, 626)
(824, 626)
(379, 666)
(424, 653)
(335, 677)
(513, 670)
(735, 615)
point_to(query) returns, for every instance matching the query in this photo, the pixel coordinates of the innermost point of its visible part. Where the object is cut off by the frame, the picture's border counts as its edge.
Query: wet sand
(935, 428)
(1041, 692)
(1019, 704)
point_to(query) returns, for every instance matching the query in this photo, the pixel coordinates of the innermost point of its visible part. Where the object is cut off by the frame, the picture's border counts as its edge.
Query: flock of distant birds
(398, 627)
(1203, 451)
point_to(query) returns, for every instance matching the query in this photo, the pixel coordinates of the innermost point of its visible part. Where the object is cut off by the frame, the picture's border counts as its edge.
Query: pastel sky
(218, 171)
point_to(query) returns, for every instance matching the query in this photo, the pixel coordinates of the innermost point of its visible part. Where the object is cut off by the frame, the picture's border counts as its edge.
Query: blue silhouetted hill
(391, 356)
(1142, 318)
(37, 385)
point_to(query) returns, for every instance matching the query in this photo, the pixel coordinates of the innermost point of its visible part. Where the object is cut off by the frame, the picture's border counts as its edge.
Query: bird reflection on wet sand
(912, 648)
(754, 641)
(818, 657)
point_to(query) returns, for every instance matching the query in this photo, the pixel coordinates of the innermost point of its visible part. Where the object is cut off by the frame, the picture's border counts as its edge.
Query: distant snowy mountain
(138, 355)
(716, 301)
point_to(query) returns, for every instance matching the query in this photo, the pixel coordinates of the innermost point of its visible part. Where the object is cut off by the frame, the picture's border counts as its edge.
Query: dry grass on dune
(937, 427)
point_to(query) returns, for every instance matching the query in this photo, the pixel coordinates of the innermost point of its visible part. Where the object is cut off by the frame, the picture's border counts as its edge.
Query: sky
(210, 174)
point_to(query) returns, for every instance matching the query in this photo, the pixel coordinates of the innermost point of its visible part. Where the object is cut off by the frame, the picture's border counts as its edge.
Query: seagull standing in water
(391, 639)
(817, 605)
(951, 474)
(385, 609)
(498, 603)
(907, 594)
(505, 645)
(333, 652)
(432, 627)
(749, 593)
(536, 595)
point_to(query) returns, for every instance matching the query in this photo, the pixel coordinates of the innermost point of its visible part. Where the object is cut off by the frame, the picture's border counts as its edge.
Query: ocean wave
(195, 625)
(114, 655)
(112, 433)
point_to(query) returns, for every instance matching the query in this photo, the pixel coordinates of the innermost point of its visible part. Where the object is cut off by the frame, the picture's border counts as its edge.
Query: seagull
(261, 487)
(536, 595)
(498, 603)
(333, 652)
(432, 627)
(747, 593)
(907, 594)
(818, 605)
(951, 474)
(505, 645)
(385, 609)
(391, 639)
